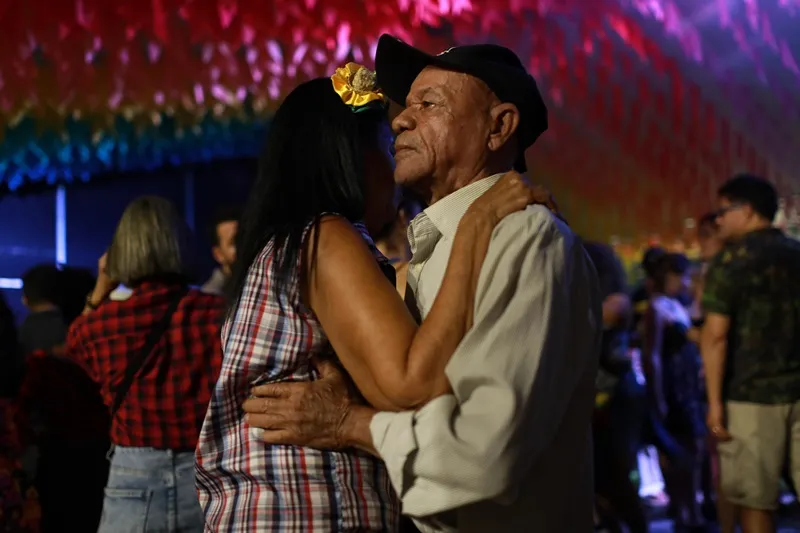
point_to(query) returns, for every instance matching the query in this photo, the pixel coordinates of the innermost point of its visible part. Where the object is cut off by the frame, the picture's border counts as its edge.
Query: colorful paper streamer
(653, 103)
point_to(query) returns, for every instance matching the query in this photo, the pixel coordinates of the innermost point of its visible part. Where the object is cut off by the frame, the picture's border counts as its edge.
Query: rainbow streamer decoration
(652, 103)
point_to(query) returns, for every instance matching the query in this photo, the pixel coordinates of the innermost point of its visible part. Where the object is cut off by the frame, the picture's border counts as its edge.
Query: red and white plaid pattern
(167, 400)
(246, 485)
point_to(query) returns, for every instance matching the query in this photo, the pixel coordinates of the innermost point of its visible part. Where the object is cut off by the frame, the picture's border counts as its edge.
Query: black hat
(398, 64)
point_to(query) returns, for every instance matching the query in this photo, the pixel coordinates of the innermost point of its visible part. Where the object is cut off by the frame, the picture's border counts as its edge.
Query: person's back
(272, 331)
(44, 328)
(156, 356)
(155, 428)
(181, 370)
(557, 486)
(267, 341)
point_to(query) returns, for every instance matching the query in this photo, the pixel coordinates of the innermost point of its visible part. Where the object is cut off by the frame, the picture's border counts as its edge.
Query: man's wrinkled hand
(309, 413)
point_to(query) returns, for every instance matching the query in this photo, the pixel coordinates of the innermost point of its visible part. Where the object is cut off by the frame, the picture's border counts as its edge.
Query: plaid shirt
(246, 485)
(165, 406)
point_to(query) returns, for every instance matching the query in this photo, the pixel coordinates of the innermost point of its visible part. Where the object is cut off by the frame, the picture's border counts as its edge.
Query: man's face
(732, 219)
(225, 250)
(443, 130)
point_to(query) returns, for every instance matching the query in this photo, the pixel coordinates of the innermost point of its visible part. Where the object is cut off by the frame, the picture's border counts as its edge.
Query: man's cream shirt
(510, 450)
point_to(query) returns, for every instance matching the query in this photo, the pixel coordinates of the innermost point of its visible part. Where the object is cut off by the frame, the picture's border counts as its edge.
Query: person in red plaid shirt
(154, 430)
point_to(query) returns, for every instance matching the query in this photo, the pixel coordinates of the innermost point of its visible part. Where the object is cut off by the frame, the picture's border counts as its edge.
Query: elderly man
(510, 449)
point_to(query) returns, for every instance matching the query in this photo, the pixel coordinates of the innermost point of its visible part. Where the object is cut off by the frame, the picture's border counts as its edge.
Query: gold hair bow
(356, 86)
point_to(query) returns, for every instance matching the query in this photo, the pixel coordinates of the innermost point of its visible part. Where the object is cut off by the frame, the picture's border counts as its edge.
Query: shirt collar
(446, 214)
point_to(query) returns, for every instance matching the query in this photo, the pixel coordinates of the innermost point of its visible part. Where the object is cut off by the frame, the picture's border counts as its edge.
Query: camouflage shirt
(756, 283)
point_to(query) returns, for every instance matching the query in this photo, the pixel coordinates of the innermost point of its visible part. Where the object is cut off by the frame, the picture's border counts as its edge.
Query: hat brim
(397, 65)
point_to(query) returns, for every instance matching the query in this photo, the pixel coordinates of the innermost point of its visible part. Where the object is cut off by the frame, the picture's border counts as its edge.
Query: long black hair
(312, 163)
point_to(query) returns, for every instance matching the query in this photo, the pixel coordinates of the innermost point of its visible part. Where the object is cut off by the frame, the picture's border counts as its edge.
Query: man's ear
(505, 121)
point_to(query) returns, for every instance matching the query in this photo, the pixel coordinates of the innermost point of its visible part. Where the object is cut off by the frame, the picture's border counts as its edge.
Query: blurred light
(61, 225)
(10, 283)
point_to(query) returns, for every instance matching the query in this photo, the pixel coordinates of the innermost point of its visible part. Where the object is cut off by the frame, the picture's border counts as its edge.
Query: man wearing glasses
(751, 350)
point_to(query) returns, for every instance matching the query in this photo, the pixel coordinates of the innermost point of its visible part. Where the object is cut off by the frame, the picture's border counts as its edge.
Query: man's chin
(410, 176)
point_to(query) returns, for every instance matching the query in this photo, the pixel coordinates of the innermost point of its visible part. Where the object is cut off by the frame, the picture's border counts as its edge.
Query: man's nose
(402, 122)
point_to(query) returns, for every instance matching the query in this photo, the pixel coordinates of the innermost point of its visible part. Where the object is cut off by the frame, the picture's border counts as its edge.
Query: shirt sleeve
(719, 288)
(76, 347)
(478, 443)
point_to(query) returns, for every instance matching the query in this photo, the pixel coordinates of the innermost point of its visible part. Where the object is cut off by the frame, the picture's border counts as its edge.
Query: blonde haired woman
(156, 356)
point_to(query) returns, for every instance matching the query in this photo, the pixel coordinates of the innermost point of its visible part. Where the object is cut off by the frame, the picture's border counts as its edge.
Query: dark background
(28, 220)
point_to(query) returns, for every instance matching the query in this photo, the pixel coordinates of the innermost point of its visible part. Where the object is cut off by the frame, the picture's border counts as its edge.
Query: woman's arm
(396, 364)
(651, 358)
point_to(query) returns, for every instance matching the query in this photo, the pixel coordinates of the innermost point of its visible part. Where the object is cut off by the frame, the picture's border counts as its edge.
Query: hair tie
(357, 86)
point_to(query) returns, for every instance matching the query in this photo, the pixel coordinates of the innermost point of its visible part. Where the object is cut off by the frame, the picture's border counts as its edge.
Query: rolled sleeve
(393, 437)
(512, 376)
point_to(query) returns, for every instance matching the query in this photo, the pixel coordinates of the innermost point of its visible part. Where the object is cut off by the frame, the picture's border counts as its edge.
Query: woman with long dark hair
(325, 184)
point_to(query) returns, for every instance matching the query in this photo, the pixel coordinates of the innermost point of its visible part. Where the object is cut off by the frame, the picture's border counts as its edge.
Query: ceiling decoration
(653, 102)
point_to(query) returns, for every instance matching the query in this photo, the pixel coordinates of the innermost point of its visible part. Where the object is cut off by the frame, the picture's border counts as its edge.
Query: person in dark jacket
(620, 408)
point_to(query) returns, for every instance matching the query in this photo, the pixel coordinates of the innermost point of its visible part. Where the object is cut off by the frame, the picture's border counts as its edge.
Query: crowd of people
(446, 355)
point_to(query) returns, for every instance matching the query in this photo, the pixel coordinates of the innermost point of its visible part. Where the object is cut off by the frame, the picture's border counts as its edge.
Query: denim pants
(151, 491)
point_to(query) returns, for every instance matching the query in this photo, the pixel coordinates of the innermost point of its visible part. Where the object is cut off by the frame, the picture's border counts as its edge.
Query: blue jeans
(151, 491)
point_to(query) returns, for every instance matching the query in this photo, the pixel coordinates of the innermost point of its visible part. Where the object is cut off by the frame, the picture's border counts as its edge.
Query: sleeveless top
(246, 485)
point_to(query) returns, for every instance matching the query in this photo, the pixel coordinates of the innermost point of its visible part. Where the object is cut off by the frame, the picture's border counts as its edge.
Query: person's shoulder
(535, 223)
(534, 230)
(733, 256)
(197, 298)
(340, 235)
(108, 309)
(333, 227)
(598, 248)
(602, 255)
(783, 245)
